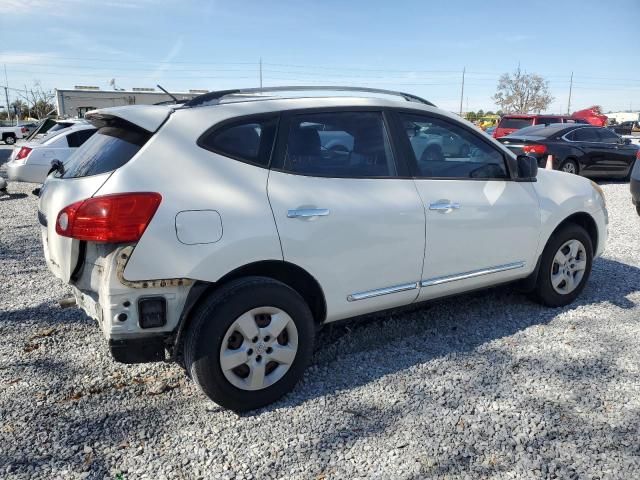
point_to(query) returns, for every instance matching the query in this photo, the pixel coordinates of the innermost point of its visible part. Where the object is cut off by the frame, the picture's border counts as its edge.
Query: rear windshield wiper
(57, 166)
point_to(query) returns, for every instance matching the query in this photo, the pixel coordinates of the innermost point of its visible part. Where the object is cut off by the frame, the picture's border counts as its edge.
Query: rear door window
(585, 135)
(516, 123)
(108, 149)
(340, 145)
(248, 140)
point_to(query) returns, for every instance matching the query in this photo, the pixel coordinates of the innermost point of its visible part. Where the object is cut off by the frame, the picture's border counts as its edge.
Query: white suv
(223, 232)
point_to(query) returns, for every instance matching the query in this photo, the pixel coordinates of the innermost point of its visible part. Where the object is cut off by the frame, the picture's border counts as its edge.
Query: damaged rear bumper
(135, 332)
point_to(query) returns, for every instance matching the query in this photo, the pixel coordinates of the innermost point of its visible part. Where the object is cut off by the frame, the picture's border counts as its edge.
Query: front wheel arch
(582, 219)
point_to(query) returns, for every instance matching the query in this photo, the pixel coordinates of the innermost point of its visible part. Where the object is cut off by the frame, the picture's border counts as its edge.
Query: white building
(624, 116)
(79, 100)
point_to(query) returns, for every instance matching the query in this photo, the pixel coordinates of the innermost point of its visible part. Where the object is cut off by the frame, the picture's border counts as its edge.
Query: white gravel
(487, 385)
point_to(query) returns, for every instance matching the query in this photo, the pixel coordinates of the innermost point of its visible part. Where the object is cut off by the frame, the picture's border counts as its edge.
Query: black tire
(570, 164)
(627, 177)
(638, 209)
(544, 292)
(215, 316)
(9, 139)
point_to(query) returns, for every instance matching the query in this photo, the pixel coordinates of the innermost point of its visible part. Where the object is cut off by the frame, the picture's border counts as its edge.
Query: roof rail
(215, 97)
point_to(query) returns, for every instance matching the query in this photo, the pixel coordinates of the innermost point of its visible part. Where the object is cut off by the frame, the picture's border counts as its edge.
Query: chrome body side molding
(382, 291)
(474, 273)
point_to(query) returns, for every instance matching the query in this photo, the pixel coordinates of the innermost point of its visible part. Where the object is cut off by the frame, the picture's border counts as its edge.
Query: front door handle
(444, 206)
(307, 212)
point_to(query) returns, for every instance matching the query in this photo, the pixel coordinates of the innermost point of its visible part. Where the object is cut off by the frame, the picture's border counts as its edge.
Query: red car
(512, 122)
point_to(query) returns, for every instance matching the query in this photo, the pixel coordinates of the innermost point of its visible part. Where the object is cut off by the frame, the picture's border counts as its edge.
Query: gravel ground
(487, 385)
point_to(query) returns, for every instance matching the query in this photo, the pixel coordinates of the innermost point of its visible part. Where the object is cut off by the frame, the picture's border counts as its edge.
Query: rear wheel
(565, 266)
(9, 139)
(627, 177)
(569, 166)
(249, 343)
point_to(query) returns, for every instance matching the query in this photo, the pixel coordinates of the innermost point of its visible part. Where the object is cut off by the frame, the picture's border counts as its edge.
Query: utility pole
(462, 92)
(570, 88)
(26, 97)
(260, 72)
(6, 96)
(6, 92)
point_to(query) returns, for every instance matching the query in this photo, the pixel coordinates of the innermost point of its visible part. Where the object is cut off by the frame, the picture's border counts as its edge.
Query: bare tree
(522, 93)
(39, 101)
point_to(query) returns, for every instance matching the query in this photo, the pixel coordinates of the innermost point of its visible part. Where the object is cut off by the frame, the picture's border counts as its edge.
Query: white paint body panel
(498, 223)
(372, 238)
(191, 178)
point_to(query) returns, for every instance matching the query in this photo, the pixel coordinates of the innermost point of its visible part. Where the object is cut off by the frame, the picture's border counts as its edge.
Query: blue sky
(415, 46)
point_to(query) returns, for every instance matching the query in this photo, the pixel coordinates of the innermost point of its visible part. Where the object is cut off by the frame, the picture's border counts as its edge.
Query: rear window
(516, 123)
(108, 149)
(548, 120)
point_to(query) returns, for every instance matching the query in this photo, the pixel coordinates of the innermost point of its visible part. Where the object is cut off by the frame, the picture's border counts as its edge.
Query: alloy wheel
(568, 267)
(569, 167)
(259, 348)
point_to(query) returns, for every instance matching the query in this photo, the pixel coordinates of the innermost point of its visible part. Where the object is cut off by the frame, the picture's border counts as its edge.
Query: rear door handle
(444, 206)
(307, 212)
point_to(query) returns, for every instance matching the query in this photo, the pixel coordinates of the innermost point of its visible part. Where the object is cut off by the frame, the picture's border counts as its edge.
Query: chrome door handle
(444, 206)
(307, 212)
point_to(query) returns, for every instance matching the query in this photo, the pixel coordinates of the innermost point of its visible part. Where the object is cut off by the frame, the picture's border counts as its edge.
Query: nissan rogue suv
(222, 233)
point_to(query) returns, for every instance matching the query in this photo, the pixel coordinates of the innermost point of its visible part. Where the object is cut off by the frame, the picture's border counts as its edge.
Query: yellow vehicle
(488, 121)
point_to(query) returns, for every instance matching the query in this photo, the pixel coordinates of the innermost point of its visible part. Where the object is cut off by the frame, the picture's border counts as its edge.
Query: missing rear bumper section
(137, 318)
(138, 350)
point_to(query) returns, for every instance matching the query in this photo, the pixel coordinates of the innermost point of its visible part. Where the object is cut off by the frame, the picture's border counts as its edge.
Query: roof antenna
(171, 95)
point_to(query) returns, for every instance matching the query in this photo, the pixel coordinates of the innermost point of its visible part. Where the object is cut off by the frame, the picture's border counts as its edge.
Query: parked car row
(513, 122)
(32, 161)
(286, 214)
(594, 152)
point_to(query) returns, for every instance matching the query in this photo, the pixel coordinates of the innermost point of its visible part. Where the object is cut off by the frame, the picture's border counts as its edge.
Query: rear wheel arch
(288, 273)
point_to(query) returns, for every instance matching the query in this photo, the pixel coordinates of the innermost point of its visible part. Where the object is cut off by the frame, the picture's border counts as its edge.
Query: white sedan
(31, 162)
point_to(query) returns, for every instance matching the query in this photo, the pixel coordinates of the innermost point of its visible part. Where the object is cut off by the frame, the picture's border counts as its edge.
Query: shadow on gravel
(12, 196)
(46, 313)
(448, 327)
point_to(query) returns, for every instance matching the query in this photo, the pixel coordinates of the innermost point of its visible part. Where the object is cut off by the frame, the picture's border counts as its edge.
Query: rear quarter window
(249, 140)
(108, 149)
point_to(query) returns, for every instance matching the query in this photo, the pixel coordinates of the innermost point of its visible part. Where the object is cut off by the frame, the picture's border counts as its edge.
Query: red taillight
(116, 218)
(23, 130)
(538, 149)
(638, 154)
(23, 153)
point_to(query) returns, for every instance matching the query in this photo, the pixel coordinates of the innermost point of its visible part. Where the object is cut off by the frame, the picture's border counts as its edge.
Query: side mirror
(527, 167)
(626, 141)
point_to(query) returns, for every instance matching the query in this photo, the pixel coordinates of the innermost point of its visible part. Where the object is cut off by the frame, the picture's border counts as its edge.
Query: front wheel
(565, 266)
(249, 343)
